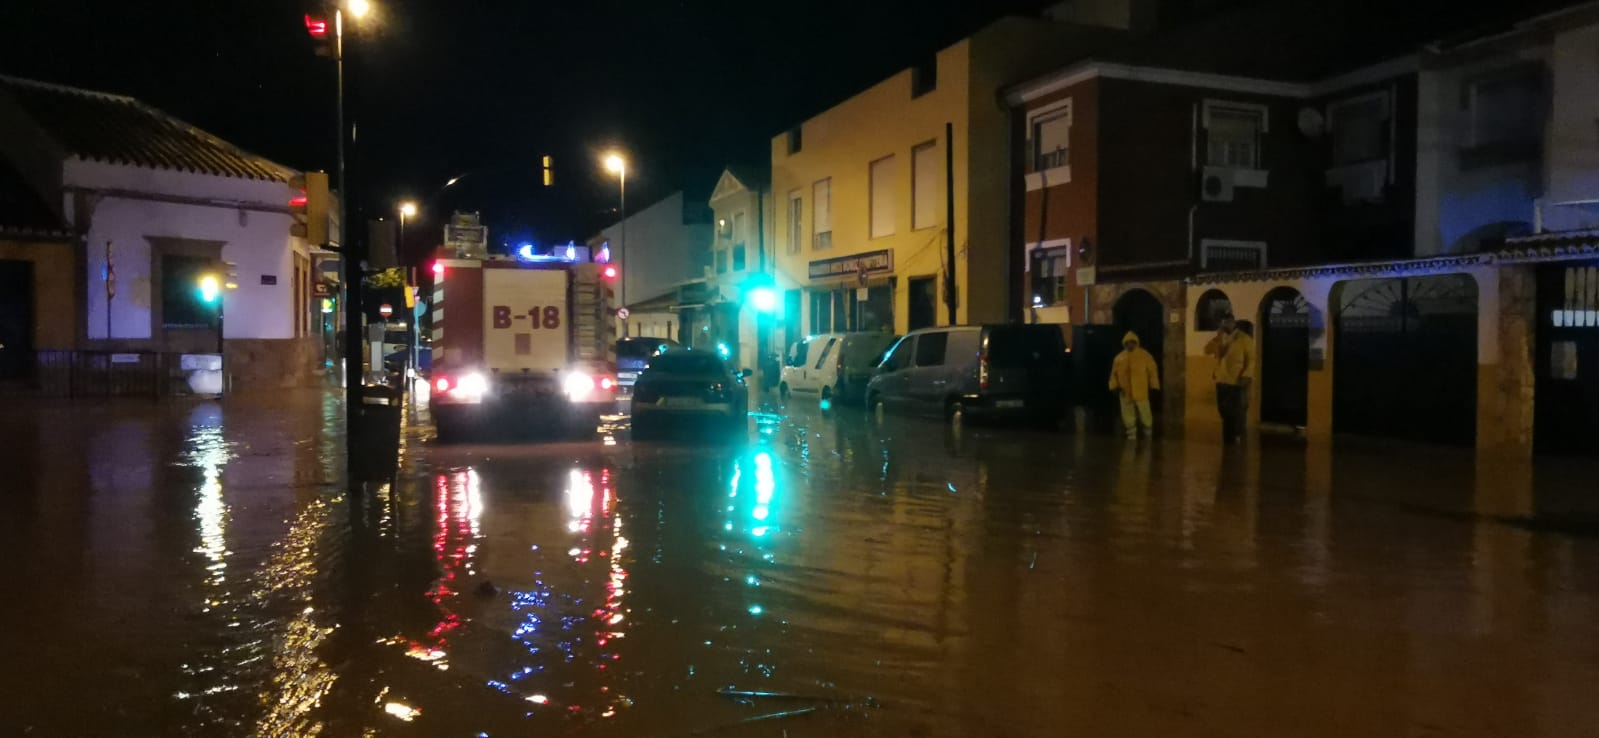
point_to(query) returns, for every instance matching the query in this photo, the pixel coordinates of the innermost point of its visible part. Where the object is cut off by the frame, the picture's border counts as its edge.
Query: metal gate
(1284, 357)
(1405, 358)
(1566, 396)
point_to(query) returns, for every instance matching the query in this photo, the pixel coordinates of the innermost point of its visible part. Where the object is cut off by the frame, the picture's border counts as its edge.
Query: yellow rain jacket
(1235, 358)
(1134, 372)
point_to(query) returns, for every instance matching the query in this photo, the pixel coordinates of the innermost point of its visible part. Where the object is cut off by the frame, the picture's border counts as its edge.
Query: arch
(1209, 310)
(1140, 311)
(1283, 340)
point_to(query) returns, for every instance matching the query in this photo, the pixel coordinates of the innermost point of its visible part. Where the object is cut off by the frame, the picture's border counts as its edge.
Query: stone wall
(273, 363)
(1173, 361)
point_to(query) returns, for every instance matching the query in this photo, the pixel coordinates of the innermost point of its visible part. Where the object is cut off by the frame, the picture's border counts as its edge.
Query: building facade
(154, 205)
(1348, 208)
(891, 208)
(656, 248)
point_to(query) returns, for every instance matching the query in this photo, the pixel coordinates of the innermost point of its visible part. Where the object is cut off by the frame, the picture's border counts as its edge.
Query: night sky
(438, 89)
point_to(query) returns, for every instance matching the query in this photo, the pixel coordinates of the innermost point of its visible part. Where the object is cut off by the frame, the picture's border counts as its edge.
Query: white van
(833, 364)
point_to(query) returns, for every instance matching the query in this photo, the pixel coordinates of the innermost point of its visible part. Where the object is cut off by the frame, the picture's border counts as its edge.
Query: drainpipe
(1194, 208)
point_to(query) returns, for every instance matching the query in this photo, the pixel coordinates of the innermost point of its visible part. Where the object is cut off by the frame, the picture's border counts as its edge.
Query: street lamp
(615, 164)
(407, 210)
(359, 8)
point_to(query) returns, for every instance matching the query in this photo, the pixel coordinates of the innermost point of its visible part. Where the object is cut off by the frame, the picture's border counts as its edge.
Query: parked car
(689, 386)
(633, 354)
(833, 365)
(1008, 371)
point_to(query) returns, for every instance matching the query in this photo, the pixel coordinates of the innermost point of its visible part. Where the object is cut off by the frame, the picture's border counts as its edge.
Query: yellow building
(862, 222)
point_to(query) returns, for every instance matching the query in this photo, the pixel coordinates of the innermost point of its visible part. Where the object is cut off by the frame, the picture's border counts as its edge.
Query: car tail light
(982, 370)
(607, 384)
(441, 384)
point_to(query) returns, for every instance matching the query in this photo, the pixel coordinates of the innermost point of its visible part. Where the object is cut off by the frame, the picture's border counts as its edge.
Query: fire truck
(522, 344)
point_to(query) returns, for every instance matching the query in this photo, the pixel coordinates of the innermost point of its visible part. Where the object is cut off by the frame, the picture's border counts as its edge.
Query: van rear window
(1019, 345)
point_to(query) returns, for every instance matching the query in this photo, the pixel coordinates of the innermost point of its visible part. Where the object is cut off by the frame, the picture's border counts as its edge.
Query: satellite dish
(1312, 123)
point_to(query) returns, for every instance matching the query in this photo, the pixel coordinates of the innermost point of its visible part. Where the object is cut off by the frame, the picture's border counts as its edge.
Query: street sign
(622, 313)
(466, 236)
(322, 289)
(385, 310)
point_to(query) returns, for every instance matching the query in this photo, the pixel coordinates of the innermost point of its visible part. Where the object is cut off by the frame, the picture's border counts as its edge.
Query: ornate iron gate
(1405, 358)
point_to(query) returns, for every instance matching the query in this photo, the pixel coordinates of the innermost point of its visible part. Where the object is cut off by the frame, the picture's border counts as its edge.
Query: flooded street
(198, 570)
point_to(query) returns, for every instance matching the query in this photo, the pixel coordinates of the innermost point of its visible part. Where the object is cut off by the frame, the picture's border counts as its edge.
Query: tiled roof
(115, 129)
(22, 212)
(1552, 246)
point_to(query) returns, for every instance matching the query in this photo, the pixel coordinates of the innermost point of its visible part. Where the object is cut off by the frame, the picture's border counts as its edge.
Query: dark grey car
(995, 371)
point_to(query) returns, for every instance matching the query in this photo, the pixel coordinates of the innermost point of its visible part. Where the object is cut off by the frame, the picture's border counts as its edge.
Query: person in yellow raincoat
(1132, 376)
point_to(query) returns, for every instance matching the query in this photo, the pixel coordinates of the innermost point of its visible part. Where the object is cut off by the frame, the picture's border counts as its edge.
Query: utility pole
(353, 274)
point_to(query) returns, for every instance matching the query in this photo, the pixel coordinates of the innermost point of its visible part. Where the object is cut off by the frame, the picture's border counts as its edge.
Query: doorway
(16, 319)
(1566, 394)
(923, 302)
(1284, 357)
(1142, 313)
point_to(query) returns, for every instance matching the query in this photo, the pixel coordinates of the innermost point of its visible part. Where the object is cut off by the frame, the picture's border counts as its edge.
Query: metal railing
(150, 374)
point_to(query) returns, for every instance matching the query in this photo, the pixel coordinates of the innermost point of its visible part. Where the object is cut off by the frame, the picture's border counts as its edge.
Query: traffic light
(321, 32)
(308, 204)
(209, 288)
(549, 170)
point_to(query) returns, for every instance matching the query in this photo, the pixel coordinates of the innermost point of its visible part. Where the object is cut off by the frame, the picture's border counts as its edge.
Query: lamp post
(408, 210)
(615, 164)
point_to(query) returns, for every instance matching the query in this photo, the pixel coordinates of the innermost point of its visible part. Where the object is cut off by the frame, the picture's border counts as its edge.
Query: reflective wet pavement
(197, 570)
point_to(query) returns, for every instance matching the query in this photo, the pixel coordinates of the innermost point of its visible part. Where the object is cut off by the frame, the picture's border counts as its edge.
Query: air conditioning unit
(1216, 184)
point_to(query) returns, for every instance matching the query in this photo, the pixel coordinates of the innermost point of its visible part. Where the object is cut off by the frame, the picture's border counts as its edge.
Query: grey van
(992, 371)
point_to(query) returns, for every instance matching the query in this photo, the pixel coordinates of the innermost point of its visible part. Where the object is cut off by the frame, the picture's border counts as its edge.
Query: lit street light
(407, 210)
(359, 8)
(615, 164)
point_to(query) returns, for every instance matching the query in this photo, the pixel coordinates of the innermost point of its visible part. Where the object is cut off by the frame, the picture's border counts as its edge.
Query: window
(795, 139)
(797, 354)
(822, 213)
(882, 197)
(721, 261)
(925, 172)
(796, 226)
(826, 350)
(1359, 129)
(1049, 270)
(739, 239)
(899, 357)
(1507, 108)
(1213, 305)
(924, 77)
(930, 348)
(1233, 134)
(1219, 255)
(181, 304)
(821, 312)
(724, 229)
(1051, 139)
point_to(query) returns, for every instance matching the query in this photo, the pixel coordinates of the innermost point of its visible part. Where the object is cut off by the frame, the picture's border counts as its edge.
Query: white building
(657, 249)
(167, 203)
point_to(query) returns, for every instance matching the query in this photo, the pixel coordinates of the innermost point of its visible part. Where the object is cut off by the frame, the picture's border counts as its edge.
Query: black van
(1007, 371)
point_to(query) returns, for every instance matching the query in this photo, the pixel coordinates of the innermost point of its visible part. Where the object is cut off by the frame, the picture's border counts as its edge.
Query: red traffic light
(609, 272)
(317, 27)
(299, 201)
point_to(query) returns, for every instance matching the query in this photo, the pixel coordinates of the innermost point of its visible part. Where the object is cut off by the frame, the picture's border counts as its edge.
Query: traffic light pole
(350, 257)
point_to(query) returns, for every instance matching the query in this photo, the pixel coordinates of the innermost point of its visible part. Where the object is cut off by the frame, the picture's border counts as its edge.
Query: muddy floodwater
(198, 570)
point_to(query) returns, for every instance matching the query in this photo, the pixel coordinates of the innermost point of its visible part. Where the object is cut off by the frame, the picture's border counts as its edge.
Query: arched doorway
(1142, 313)
(1284, 357)
(1405, 358)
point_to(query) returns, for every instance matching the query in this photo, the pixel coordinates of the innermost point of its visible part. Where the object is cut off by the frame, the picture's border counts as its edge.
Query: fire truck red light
(610, 272)
(438, 269)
